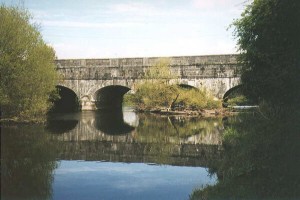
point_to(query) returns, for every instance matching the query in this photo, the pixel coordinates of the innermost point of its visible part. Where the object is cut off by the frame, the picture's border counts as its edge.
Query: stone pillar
(87, 103)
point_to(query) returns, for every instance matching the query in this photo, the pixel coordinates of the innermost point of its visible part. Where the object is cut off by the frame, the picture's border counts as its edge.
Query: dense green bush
(268, 39)
(238, 101)
(157, 94)
(197, 99)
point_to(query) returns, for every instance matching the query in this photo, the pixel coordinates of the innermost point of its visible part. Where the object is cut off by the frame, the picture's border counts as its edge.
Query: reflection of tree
(174, 129)
(260, 161)
(27, 162)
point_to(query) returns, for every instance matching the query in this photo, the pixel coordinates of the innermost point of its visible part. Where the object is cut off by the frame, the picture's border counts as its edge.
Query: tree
(27, 67)
(160, 71)
(156, 90)
(268, 38)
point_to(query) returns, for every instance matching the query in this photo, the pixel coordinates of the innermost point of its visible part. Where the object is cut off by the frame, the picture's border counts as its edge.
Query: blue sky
(131, 28)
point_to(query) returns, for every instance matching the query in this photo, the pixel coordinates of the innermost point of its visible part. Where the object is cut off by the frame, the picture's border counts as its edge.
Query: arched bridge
(96, 81)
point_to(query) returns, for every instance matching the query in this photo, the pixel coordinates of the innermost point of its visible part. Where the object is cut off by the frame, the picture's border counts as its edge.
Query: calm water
(109, 155)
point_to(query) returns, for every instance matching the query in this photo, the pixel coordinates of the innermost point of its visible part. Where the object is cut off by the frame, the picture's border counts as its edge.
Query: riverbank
(221, 112)
(13, 121)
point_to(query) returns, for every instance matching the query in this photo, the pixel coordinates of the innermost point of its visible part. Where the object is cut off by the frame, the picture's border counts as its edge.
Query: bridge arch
(68, 100)
(186, 86)
(230, 91)
(110, 97)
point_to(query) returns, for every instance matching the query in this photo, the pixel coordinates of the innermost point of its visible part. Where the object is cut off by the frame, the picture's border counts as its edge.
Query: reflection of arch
(61, 126)
(110, 96)
(111, 122)
(67, 102)
(61, 123)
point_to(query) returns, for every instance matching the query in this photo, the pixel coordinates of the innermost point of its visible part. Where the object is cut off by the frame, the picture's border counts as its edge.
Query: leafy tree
(27, 67)
(268, 38)
(161, 71)
(156, 90)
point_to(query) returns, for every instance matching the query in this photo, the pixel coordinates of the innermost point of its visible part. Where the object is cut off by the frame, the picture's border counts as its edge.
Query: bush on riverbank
(239, 101)
(151, 95)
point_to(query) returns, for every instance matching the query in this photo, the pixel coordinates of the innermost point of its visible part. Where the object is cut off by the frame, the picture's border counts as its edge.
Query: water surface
(109, 155)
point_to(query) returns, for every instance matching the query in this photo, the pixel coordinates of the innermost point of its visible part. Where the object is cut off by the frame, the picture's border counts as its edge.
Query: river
(109, 155)
(128, 155)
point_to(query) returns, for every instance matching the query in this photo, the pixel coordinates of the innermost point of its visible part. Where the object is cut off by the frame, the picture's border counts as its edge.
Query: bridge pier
(87, 103)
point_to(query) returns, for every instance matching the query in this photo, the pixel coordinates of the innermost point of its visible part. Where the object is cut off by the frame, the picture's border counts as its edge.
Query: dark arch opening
(110, 97)
(68, 101)
(235, 97)
(189, 87)
(232, 91)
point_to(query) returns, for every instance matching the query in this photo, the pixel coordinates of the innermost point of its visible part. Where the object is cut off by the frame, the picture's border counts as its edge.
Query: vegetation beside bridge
(158, 92)
(27, 68)
(261, 152)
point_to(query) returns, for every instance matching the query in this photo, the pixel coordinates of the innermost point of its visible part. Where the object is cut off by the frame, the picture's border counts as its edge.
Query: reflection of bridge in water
(104, 137)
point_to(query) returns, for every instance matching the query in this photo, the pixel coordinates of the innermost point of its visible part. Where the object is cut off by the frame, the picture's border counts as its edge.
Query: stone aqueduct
(107, 80)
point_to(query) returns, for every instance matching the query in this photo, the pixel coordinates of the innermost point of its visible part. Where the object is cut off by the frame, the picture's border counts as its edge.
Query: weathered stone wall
(218, 66)
(216, 73)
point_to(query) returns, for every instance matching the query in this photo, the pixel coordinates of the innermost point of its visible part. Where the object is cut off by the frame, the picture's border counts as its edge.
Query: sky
(132, 28)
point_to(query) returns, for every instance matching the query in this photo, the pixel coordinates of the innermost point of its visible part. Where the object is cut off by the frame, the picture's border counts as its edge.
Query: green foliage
(154, 94)
(197, 99)
(128, 99)
(161, 71)
(27, 67)
(238, 101)
(268, 38)
(155, 91)
(260, 160)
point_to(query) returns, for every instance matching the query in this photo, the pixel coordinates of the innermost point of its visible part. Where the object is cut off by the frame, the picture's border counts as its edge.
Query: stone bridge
(107, 80)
